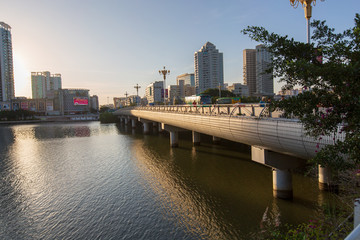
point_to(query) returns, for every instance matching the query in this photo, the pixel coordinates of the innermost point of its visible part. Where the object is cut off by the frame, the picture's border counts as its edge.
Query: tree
(214, 93)
(104, 109)
(329, 68)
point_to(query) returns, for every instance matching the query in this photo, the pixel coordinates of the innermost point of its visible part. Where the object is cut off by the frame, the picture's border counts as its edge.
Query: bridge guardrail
(252, 110)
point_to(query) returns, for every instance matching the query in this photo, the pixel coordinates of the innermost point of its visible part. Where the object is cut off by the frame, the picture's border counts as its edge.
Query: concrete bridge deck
(250, 124)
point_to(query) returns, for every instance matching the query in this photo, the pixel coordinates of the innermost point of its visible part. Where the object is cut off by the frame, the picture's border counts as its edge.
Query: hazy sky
(109, 46)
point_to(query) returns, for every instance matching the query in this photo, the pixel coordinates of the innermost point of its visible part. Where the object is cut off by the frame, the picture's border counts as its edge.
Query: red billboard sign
(25, 105)
(80, 101)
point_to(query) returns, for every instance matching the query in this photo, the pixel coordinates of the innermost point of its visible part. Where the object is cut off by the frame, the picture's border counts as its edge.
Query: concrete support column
(282, 183)
(160, 127)
(146, 127)
(216, 140)
(174, 139)
(133, 123)
(126, 121)
(326, 179)
(196, 138)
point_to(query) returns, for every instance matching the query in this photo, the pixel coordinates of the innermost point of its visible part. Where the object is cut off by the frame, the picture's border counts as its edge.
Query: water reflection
(217, 193)
(92, 181)
(6, 137)
(62, 132)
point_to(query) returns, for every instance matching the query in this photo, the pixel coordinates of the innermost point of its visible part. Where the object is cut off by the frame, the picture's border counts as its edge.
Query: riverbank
(46, 119)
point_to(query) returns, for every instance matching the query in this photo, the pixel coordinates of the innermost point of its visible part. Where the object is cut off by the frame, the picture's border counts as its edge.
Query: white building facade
(209, 68)
(188, 78)
(154, 93)
(239, 89)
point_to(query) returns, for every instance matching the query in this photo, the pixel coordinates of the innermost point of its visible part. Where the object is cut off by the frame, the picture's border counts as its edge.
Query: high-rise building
(41, 82)
(264, 80)
(189, 79)
(255, 63)
(7, 90)
(209, 68)
(249, 70)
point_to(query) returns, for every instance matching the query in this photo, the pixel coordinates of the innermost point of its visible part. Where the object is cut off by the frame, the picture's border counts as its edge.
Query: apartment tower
(41, 82)
(264, 80)
(7, 90)
(209, 69)
(249, 70)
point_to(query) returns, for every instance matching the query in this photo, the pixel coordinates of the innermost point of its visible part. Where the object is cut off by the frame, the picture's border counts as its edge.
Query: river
(92, 181)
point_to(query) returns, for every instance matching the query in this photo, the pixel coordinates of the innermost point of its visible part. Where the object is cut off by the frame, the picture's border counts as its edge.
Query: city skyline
(110, 47)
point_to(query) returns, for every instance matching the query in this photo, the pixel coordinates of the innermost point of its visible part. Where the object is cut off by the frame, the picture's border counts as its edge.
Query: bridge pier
(174, 134)
(216, 140)
(126, 121)
(133, 123)
(196, 138)
(282, 183)
(281, 165)
(326, 179)
(174, 139)
(146, 125)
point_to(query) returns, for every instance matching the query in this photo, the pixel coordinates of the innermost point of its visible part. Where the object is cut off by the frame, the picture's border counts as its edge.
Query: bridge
(277, 142)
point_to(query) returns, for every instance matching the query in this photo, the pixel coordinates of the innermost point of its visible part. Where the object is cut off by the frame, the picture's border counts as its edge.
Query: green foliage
(108, 117)
(16, 115)
(330, 68)
(214, 93)
(104, 109)
(333, 223)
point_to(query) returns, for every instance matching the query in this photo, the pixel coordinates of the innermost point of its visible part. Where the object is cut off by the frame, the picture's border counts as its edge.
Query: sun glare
(22, 77)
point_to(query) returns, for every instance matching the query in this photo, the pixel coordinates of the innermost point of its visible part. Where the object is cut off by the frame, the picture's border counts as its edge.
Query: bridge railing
(260, 110)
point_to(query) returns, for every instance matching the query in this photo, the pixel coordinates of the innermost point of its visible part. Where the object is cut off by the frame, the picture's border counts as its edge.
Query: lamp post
(126, 94)
(306, 4)
(137, 93)
(164, 72)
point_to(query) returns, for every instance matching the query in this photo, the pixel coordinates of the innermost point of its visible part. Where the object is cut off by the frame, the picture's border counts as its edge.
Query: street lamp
(126, 94)
(164, 72)
(306, 4)
(137, 93)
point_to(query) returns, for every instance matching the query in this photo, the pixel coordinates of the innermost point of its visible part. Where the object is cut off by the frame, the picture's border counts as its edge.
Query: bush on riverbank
(108, 117)
(17, 115)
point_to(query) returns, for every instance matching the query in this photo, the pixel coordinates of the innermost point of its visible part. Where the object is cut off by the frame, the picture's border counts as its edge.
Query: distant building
(264, 80)
(249, 70)
(41, 82)
(133, 100)
(7, 89)
(94, 103)
(76, 101)
(239, 89)
(154, 92)
(119, 102)
(188, 78)
(209, 69)
(255, 64)
(185, 89)
(174, 93)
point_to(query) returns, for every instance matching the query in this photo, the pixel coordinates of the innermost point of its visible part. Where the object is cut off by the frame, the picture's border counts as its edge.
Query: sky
(109, 46)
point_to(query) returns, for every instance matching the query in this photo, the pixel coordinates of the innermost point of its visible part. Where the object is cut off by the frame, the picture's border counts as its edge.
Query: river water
(93, 181)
